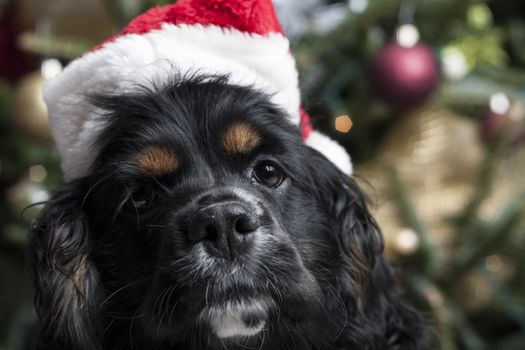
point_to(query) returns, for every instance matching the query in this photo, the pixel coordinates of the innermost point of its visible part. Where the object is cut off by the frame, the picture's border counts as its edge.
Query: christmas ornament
(240, 39)
(405, 71)
(405, 75)
(29, 109)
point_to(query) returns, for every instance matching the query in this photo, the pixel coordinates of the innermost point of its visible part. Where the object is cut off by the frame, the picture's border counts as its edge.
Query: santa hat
(238, 38)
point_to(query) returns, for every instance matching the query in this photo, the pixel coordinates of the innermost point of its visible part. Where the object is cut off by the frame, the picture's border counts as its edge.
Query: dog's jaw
(237, 319)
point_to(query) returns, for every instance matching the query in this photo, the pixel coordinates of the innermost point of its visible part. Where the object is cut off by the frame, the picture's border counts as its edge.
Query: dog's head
(206, 221)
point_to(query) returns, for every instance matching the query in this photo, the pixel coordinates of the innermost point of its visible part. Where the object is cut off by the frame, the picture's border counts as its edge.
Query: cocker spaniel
(206, 223)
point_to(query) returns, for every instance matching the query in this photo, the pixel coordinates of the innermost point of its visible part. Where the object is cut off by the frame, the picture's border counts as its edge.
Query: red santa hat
(238, 38)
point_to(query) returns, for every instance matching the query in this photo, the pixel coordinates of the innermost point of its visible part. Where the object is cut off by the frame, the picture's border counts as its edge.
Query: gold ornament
(29, 108)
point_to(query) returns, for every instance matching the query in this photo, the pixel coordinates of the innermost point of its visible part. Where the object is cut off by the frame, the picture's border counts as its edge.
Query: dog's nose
(226, 225)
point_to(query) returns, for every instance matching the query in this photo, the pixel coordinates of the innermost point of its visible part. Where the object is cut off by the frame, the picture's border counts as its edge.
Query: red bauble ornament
(405, 76)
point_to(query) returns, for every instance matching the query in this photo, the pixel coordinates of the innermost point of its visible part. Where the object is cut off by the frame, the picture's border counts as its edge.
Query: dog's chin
(219, 298)
(236, 304)
(238, 308)
(238, 318)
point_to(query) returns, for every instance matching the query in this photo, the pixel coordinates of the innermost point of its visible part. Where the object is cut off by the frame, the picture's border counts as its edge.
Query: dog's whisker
(336, 294)
(92, 188)
(118, 291)
(172, 311)
(156, 308)
(166, 309)
(108, 326)
(263, 335)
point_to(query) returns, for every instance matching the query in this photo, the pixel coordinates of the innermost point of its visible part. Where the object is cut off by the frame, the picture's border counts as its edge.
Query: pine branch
(60, 47)
(497, 233)
(503, 294)
(411, 218)
(506, 76)
(442, 316)
(483, 187)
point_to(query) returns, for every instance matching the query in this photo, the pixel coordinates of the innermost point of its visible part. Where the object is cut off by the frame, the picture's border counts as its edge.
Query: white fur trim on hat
(263, 62)
(331, 150)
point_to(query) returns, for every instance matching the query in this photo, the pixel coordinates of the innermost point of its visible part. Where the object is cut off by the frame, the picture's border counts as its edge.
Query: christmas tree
(427, 96)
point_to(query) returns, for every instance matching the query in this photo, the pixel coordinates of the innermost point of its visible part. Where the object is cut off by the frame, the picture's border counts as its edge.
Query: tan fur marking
(359, 271)
(158, 161)
(240, 138)
(79, 274)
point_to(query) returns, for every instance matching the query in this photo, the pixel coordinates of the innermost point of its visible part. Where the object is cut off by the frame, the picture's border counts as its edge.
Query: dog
(206, 223)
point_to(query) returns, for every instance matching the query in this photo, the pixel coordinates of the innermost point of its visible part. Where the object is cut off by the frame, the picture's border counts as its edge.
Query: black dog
(206, 223)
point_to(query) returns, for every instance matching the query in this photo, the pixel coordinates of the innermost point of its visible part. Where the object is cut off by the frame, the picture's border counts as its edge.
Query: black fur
(110, 275)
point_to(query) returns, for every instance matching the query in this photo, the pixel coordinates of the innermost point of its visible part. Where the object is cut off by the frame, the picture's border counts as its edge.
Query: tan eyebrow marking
(240, 138)
(156, 160)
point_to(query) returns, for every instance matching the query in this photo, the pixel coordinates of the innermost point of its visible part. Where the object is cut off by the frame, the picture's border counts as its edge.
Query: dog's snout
(225, 225)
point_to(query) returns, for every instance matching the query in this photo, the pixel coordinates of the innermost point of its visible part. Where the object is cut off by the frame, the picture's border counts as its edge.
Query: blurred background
(428, 96)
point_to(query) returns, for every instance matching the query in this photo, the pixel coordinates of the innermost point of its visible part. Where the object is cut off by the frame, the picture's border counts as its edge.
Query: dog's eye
(268, 173)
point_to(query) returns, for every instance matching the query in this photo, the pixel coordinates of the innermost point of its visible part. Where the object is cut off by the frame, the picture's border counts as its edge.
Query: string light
(455, 65)
(494, 263)
(407, 35)
(499, 103)
(39, 196)
(343, 124)
(51, 67)
(358, 6)
(406, 241)
(37, 173)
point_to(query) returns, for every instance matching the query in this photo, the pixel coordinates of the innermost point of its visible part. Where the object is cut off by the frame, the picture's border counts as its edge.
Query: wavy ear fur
(366, 276)
(66, 280)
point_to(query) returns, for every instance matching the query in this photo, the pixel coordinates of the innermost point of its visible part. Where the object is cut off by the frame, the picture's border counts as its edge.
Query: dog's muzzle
(224, 227)
(225, 222)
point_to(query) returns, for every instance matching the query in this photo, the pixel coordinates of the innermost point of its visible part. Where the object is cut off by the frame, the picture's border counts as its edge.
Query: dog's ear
(66, 280)
(366, 275)
(356, 232)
